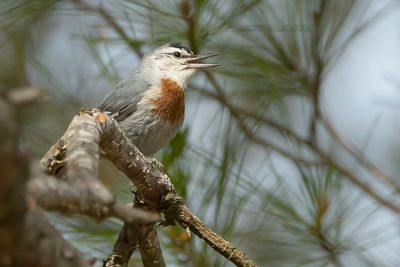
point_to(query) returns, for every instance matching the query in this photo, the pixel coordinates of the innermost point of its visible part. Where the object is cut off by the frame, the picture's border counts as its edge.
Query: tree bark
(27, 238)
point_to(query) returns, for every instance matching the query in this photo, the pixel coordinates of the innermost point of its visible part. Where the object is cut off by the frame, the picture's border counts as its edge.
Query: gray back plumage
(122, 101)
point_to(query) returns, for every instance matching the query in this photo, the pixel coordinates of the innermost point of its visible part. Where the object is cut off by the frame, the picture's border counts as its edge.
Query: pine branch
(324, 156)
(112, 23)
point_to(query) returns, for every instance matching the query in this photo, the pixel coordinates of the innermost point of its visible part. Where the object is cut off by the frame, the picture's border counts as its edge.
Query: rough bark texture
(134, 236)
(123, 248)
(149, 246)
(77, 155)
(57, 195)
(153, 185)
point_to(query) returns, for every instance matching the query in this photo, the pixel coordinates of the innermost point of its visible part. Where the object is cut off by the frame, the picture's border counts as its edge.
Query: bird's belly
(149, 133)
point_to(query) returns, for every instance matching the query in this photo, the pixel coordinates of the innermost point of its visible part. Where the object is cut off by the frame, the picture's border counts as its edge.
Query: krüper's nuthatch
(149, 104)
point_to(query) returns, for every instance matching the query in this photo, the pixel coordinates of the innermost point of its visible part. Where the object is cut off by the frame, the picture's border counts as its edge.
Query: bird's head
(174, 61)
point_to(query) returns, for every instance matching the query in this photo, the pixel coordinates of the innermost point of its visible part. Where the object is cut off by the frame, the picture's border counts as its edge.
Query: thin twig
(355, 153)
(179, 212)
(239, 113)
(315, 98)
(123, 248)
(319, 68)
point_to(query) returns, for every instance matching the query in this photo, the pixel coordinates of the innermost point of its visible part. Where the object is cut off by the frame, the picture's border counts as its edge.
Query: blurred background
(289, 149)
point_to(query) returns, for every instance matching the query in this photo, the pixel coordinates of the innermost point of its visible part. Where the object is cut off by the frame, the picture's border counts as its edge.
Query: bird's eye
(177, 54)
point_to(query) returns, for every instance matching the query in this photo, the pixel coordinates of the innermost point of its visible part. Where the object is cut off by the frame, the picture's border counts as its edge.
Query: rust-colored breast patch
(170, 105)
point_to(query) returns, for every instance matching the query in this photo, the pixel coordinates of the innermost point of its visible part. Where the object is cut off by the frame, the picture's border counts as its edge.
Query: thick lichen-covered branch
(75, 157)
(54, 194)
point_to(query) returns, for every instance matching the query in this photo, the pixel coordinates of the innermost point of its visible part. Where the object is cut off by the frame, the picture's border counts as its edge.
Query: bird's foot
(138, 197)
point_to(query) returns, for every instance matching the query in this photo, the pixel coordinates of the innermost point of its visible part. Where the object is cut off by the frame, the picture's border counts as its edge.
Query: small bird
(149, 104)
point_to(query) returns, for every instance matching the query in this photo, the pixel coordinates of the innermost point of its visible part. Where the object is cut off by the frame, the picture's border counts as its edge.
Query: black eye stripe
(178, 55)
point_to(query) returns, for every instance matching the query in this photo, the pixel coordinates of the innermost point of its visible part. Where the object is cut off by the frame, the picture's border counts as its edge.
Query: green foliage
(180, 176)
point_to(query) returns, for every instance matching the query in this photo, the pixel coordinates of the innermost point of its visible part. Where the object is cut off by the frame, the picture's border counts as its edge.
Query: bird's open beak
(196, 61)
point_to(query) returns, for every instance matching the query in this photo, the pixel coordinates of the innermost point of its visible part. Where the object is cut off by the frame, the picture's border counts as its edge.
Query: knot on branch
(171, 206)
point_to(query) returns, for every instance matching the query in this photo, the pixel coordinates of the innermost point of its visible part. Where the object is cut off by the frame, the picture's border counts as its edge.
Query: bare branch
(132, 236)
(123, 248)
(149, 246)
(153, 186)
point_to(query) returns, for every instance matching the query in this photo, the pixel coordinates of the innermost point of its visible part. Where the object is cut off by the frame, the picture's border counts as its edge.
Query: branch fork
(75, 158)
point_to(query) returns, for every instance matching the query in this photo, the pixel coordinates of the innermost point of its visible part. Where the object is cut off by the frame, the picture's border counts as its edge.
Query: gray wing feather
(122, 102)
